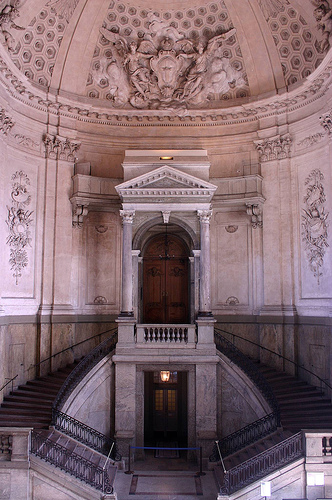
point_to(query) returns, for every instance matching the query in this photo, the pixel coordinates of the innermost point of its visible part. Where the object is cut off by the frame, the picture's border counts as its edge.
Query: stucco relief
(6, 122)
(271, 8)
(60, 148)
(274, 148)
(314, 222)
(63, 8)
(19, 220)
(9, 12)
(165, 70)
(323, 16)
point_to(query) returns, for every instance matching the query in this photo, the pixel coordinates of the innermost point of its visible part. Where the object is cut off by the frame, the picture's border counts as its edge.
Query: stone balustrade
(166, 335)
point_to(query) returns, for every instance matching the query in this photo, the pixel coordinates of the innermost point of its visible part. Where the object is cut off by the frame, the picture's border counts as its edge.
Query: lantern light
(165, 376)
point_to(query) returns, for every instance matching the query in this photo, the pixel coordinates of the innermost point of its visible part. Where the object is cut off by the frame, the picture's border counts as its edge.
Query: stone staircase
(74, 458)
(302, 406)
(30, 405)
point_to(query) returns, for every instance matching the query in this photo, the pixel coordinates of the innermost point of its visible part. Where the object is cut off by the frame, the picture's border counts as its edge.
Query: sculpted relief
(166, 70)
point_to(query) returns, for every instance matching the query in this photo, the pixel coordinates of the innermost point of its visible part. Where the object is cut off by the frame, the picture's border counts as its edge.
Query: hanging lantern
(165, 376)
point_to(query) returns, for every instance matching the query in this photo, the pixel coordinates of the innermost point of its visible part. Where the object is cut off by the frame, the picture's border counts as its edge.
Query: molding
(92, 111)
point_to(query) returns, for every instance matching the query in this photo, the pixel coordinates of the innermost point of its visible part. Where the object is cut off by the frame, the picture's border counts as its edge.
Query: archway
(166, 280)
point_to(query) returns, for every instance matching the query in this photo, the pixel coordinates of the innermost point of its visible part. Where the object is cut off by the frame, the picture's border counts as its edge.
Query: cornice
(77, 109)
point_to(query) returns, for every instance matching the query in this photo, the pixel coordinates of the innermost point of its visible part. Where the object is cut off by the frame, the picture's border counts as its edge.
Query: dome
(130, 57)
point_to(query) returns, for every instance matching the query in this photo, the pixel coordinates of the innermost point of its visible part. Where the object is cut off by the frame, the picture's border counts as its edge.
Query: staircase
(74, 458)
(302, 406)
(30, 405)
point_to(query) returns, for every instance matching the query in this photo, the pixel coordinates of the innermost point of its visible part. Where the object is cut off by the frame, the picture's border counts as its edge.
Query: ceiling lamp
(166, 158)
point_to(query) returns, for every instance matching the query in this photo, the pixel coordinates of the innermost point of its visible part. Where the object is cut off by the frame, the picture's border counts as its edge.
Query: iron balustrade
(166, 334)
(280, 356)
(258, 429)
(83, 368)
(85, 434)
(71, 462)
(263, 464)
(244, 437)
(9, 381)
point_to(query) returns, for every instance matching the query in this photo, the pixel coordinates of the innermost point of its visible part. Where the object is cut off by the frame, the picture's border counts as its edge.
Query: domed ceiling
(178, 55)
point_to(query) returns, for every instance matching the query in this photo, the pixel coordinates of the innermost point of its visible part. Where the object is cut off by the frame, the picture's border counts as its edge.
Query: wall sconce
(315, 479)
(166, 158)
(165, 376)
(266, 489)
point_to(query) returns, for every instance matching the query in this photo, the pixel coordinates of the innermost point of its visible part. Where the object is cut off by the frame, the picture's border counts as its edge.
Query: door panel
(165, 281)
(165, 416)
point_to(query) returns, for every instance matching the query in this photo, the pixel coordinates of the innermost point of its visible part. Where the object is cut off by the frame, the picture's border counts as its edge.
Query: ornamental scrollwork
(8, 14)
(314, 222)
(326, 122)
(165, 70)
(19, 220)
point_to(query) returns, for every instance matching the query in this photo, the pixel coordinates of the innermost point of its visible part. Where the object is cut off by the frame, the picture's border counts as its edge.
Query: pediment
(167, 182)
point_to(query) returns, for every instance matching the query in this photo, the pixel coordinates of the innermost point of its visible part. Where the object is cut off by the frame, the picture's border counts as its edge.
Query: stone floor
(165, 479)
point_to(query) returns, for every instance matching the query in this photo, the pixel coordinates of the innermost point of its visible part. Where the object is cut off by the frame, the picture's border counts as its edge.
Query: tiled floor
(165, 479)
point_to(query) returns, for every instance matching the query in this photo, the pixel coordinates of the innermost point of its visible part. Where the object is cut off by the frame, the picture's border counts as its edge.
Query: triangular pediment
(165, 182)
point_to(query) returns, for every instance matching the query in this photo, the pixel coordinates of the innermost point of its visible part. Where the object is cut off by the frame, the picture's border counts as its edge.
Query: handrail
(262, 464)
(72, 346)
(82, 368)
(71, 462)
(242, 361)
(297, 365)
(84, 434)
(9, 381)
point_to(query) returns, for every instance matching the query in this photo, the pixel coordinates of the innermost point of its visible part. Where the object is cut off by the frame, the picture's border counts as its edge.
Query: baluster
(186, 335)
(171, 334)
(166, 334)
(145, 334)
(161, 334)
(180, 334)
(324, 444)
(175, 334)
(151, 334)
(330, 443)
(156, 334)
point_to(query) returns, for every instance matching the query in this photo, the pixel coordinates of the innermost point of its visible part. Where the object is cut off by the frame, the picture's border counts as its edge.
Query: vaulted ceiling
(120, 54)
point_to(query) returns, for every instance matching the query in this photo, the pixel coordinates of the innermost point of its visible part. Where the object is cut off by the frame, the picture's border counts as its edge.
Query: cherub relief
(9, 12)
(323, 16)
(168, 72)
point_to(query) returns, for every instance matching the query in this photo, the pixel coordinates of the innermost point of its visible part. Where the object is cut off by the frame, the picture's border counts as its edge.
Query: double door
(165, 281)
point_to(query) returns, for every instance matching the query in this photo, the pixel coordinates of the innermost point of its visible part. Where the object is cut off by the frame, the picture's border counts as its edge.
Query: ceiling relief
(176, 59)
(167, 60)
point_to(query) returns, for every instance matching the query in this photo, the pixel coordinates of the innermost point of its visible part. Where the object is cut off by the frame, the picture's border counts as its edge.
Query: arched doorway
(166, 280)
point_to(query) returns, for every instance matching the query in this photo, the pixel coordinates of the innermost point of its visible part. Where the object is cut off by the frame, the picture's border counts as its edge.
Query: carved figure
(63, 8)
(270, 8)
(166, 72)
(8, 13)
(323, 16)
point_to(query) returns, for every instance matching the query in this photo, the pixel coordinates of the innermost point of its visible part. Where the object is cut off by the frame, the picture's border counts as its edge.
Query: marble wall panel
(18, 228)
(231, 256)
(103, 240)
(314, 224)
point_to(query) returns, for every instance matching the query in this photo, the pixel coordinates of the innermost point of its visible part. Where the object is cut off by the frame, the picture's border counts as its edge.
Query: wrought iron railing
(255, 430)
(244, 437)
(249, 368)
(85, 434)
(297, 366)
(83, 367)
(69, 461)
(263, 464)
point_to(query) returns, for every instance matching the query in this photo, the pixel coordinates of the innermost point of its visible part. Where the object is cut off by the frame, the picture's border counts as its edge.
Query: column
(205, 264)
(127, 263)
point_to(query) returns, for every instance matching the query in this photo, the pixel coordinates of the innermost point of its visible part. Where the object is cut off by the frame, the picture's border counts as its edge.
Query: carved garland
(19, 220)
(314, 222)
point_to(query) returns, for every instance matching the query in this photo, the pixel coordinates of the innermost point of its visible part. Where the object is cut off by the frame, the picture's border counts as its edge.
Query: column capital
(127, 216)
(204, 216)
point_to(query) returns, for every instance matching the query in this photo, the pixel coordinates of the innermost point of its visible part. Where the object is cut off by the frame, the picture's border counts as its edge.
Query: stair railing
(261, 427)
(83, 368)
(11, 380)
(280, 356)
(71, 462)
(263, 464)
(84, 434)
(70, 348)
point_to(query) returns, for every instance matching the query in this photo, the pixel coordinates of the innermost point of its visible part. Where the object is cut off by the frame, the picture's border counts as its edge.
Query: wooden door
(165, 281)
(165, 416)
